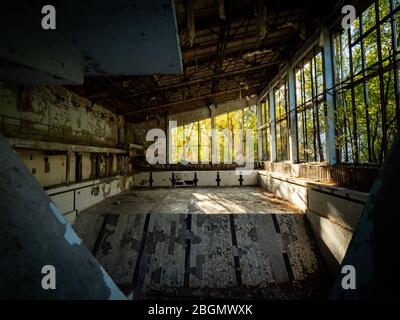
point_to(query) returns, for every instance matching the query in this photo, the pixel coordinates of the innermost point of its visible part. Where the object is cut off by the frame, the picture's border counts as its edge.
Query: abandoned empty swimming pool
(201, 242)
(199, 149)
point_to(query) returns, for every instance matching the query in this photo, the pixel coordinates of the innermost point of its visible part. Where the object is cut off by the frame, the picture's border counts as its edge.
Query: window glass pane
(311, 115)
(250, 123)
(371, 50)
(301, 134)
(205, 140)
(375, 119)
(299, 84)
(355, 30)
(362, 133)
(221, 123)
(338, 61)
(389, 94)
(345, 56)
(322, 132)
(308, 82)
(319, 73)
(357, 58)
(386, 42)
(340, 138)
(281, 121)
(368, 18)
(310, 134)
(397, 26)
(384, 8)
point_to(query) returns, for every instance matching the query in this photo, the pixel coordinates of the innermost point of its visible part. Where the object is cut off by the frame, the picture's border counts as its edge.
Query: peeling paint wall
(60, 111)
(35, 161)
(86, 166)
(139, 130)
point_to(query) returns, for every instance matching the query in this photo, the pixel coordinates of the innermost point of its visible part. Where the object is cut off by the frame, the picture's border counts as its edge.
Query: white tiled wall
(80, 196)
(205, 178)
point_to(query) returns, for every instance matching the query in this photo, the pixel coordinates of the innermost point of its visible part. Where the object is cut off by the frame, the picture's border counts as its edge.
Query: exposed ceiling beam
(262, 18)
(185, 100)
(208, 48)
(190, 23)
(219, 61)
(104, 98)
(221, 9)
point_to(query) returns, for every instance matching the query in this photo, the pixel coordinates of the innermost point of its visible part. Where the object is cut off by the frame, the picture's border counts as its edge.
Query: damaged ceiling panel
(122, 37)
(230, 49)
(94, 37)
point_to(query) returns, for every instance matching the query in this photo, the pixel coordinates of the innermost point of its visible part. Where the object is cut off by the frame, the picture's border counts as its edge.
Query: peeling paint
(61, 113)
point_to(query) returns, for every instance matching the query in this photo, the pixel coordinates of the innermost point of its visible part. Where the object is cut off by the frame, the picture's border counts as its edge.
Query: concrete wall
(86, 166)
(333, 212)
(139, 130)
(63, 111)
(35, 162)
(204, 113)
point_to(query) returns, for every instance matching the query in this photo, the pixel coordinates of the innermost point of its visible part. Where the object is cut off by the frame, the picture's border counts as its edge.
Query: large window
(311, 113)
(223, 138)
(232, 129)
(281, 121)
(366, 84)
(266, 128)
(366, 93)
(250, 126)
(192, 143)
(205, 141)
(186, 144)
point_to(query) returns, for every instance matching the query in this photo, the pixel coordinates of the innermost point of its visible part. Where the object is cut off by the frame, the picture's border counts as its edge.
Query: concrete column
(106, 165)
(329, 97)
(273, 125)
(68, 168)
(114, 164)
(259, 133)
(168, 137)
(293, 154)
(213, 135)
(171, 126)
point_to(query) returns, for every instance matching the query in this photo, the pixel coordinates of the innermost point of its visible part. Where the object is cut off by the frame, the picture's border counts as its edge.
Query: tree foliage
(365, 78)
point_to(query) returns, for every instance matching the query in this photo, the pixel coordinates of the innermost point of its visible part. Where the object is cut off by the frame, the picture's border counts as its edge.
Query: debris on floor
(227, 254)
